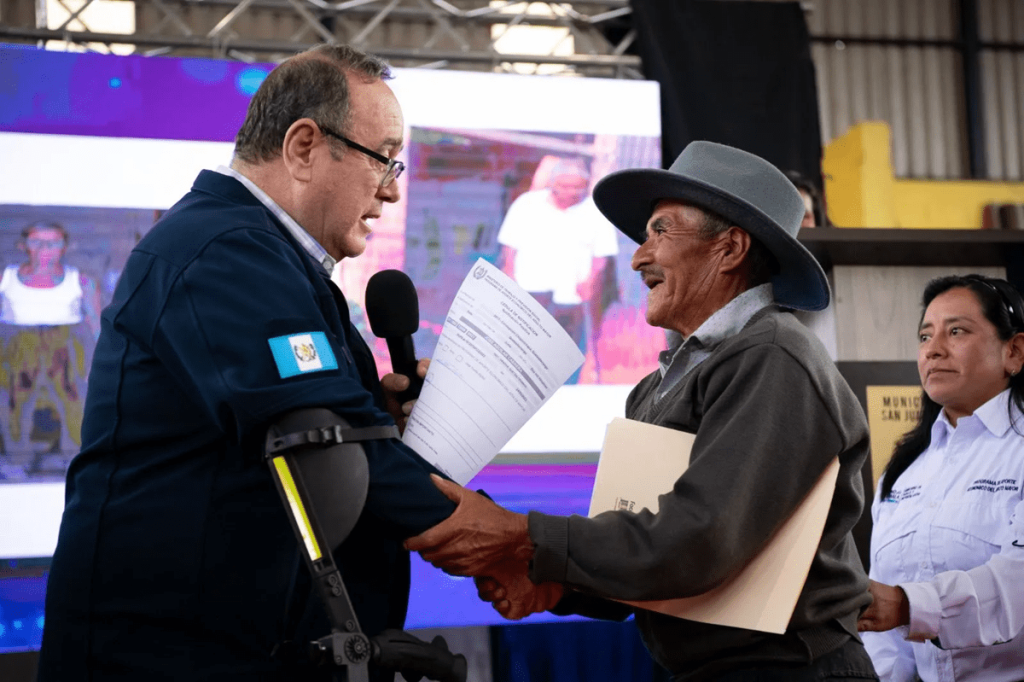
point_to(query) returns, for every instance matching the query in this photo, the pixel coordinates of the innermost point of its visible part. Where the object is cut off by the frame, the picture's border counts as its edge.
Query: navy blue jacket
(175, 558)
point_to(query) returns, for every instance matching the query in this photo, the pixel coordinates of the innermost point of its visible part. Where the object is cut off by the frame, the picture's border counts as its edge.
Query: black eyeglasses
(394, 167)
(1007, 294)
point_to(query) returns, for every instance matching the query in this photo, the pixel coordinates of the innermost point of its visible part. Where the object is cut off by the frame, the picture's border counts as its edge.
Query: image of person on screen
(54, 309)
(770, 413)
(44, 290)
(557, 246)
(176, 559)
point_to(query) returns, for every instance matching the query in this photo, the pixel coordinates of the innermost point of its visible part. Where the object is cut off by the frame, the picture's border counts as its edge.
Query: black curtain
(738, 73)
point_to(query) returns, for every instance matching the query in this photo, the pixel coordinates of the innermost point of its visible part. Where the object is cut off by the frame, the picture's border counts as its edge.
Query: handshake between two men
(491, 544)
(480, 539)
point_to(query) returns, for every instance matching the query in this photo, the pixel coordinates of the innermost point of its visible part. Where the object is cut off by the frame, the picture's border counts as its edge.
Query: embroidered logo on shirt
(904, 494)
(990, 486)
(302, 353)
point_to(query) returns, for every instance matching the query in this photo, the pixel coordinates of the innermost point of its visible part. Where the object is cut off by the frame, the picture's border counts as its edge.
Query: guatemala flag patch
(302, 353)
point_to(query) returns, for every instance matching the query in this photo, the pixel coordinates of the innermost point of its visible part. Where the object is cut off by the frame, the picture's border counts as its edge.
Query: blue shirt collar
(725, 322)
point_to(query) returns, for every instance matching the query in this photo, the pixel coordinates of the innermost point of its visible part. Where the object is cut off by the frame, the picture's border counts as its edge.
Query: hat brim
(627, 199)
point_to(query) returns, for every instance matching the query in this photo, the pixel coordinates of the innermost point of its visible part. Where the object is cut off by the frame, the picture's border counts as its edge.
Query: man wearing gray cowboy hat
(718, 251)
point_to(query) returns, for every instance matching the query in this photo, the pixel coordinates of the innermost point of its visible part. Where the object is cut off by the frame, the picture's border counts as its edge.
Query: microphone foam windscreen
(392, 306)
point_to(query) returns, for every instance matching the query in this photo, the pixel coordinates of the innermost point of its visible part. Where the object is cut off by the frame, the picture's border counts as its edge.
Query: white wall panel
(877, 308)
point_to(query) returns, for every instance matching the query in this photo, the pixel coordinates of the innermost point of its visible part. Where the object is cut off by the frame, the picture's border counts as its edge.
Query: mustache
(651, 271)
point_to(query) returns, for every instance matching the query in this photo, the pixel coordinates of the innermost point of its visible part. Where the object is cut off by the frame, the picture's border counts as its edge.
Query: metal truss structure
(462, 34)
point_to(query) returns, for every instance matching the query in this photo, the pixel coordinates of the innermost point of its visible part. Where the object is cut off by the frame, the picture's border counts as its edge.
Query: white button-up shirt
(951, 534)
(312, 246)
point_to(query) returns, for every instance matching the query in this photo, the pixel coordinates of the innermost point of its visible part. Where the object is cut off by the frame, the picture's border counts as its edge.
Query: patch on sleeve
(302, 354)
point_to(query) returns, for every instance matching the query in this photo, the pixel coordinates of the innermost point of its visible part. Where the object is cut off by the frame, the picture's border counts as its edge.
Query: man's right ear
(735, 245)
(300, 141)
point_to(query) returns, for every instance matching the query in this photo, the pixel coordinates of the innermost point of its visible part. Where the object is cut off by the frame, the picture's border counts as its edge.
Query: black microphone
(393, 309)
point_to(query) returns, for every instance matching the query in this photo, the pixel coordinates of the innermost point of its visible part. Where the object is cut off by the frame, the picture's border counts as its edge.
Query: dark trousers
(848, 662)
(573, 320)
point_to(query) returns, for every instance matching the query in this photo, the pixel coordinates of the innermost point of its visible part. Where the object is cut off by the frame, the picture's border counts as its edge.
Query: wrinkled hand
(392, 385)
(889, 609)
(476, 536)
(513, 594)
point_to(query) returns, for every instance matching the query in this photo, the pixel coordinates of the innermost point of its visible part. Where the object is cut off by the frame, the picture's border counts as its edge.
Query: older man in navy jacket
(175, 558)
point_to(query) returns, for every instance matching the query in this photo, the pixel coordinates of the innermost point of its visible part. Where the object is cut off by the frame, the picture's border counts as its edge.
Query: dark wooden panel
(860, 375)
(864, 246)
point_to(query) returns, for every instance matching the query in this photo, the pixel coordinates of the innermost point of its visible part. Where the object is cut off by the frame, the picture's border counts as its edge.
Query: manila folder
(639, 462)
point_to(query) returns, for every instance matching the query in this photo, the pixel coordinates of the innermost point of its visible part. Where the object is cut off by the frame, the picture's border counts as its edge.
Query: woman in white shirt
(53, 310)
(44, 290)
(947, 546)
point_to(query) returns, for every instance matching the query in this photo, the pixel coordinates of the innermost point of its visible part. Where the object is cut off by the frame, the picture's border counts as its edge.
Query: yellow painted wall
(863, 191)
(950, 204)
(859, 177)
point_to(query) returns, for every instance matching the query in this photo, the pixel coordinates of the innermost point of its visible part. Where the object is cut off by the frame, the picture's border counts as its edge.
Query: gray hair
(763, 264)
(312, 84)
(574, 167)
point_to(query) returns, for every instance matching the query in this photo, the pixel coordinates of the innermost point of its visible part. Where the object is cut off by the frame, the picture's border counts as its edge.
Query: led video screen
(98, 146)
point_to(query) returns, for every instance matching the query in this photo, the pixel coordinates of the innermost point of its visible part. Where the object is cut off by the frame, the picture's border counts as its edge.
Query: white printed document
(499, 358)
(640, 462)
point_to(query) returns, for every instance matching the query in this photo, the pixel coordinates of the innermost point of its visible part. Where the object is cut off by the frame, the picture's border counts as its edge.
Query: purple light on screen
(65, 93)
(440, 600)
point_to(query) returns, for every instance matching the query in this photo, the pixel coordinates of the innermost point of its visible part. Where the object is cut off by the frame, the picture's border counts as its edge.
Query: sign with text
(892, 411)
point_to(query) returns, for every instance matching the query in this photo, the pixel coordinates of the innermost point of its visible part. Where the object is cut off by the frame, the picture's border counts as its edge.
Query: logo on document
(622, 504)
(480, 272)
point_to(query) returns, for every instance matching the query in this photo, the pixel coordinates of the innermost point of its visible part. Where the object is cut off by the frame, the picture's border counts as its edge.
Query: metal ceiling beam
(481, 15)
(282, 46)
(458, 32)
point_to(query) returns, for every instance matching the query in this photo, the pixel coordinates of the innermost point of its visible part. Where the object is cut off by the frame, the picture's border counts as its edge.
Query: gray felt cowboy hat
(739, 186)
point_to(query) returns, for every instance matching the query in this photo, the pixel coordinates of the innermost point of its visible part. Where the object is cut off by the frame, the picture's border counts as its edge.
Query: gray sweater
(770, 411)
